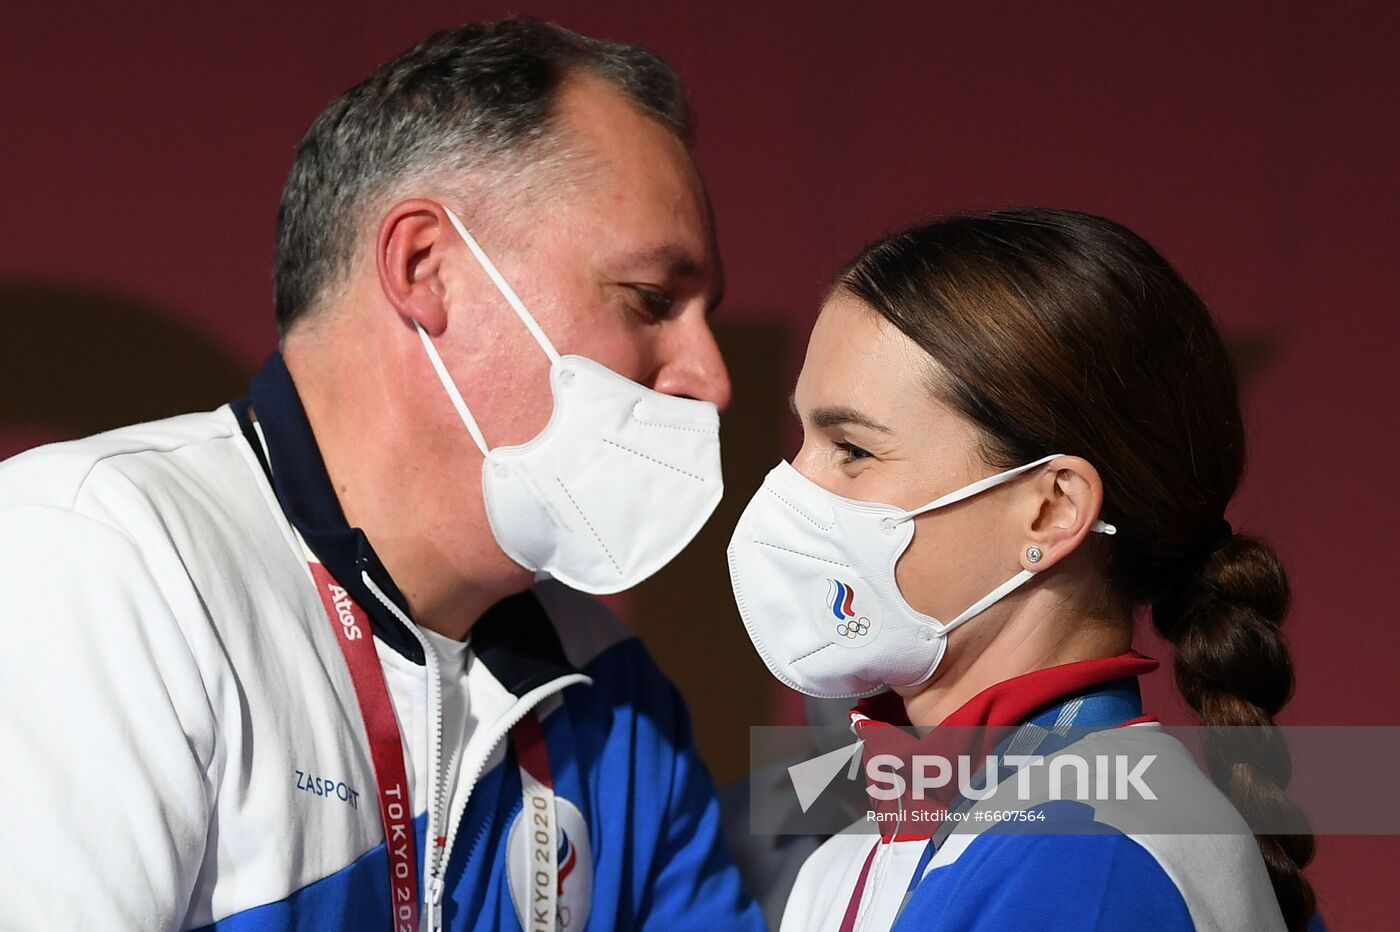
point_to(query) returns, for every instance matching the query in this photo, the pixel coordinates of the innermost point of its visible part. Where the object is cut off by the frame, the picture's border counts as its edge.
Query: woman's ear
(410, 251)
(1067, 498)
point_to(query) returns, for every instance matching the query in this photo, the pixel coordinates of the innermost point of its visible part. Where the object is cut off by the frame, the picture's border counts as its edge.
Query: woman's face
(872, 430)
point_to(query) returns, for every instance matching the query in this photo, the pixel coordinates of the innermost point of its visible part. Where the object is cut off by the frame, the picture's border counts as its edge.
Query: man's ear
(1067, 496)
(410, 251)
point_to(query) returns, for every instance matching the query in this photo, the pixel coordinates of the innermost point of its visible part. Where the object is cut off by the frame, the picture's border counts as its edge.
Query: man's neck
(430, 532)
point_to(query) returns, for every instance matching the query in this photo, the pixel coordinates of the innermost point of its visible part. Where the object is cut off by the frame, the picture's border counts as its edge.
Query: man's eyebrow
(836, 415)
(677, 262)
(673, 257)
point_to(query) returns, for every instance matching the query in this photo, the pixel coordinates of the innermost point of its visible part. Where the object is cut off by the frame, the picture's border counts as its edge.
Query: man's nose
(691, 364)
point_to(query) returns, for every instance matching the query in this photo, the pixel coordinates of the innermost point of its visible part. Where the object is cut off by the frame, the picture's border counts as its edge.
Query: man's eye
(852, 452)
(655, 302)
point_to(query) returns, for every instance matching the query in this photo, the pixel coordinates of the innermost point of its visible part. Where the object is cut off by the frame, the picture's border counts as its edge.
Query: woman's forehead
(856, 359)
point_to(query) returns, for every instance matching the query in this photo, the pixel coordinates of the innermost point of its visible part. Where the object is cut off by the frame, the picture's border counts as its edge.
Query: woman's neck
(979, 656)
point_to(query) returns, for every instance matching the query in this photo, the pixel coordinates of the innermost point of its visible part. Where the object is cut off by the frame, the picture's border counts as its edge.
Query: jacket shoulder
(66, 474)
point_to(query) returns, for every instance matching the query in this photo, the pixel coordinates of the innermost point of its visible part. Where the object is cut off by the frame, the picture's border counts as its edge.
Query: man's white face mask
(814, 578)
(615, 485)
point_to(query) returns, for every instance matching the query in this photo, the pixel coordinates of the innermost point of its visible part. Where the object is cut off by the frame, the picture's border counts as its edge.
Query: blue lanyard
(929, 849)
(1107, 707)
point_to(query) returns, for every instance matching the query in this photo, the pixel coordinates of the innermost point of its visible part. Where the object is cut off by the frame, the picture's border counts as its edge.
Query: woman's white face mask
(814, 579)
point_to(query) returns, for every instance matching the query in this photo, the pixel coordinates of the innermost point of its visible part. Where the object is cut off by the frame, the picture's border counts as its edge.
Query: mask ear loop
(991, 598)
(516, 305)
(1012, 584)
(967, 491)
(457, 401)
(976, 488)
(982, 485)
(504, 288)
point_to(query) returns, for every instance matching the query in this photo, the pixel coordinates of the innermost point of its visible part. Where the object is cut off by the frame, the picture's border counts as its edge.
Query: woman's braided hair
(1058, 331)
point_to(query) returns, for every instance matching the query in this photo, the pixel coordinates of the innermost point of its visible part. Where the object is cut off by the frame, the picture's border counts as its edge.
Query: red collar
(1011, 702)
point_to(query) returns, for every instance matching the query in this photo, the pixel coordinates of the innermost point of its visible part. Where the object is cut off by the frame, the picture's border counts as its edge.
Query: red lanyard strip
(352, 632)
(848, 921)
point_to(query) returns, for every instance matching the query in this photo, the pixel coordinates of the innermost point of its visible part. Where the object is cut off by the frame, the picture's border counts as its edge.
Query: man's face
(621, 267)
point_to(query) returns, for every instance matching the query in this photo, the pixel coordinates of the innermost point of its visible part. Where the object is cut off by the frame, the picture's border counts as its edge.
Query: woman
(1020, 428)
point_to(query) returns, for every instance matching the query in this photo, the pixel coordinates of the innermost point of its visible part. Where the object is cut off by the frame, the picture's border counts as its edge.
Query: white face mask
(814, 578)
(615, 485)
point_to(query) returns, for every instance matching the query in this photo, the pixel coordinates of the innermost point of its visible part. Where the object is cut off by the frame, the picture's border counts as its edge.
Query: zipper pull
(435, 887)
(853, 771)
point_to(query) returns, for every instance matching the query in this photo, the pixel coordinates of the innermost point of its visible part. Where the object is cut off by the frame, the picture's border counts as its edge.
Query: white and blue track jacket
(183, 748)
(1088, 874)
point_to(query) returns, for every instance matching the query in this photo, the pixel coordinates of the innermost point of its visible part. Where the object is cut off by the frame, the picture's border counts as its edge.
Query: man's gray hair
(463, 101)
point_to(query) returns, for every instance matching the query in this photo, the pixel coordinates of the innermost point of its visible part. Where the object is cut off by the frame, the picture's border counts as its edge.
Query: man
(478, 247)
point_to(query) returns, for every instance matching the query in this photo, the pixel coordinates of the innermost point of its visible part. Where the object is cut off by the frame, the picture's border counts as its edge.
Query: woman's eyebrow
(836, 415)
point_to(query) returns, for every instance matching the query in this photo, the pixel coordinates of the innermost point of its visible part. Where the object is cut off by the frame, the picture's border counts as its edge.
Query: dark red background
(1256, 144)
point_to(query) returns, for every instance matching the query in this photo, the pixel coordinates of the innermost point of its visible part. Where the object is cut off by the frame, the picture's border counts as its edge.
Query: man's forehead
(599, 119)
(643, 182)
(674, 257)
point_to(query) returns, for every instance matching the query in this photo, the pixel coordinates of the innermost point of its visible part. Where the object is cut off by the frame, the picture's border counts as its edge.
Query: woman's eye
(852, 452)
(657, 304)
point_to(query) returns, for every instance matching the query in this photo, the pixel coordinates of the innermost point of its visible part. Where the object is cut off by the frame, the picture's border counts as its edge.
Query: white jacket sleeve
(106, 733)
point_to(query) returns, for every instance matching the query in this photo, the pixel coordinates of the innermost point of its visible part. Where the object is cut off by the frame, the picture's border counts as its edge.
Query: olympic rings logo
(856, 628)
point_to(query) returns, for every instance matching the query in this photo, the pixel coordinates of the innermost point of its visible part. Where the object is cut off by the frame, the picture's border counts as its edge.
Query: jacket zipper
(523, 706)
(438, 856)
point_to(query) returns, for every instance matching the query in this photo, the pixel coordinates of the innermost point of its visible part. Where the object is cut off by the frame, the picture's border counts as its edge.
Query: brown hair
(1063, 332)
